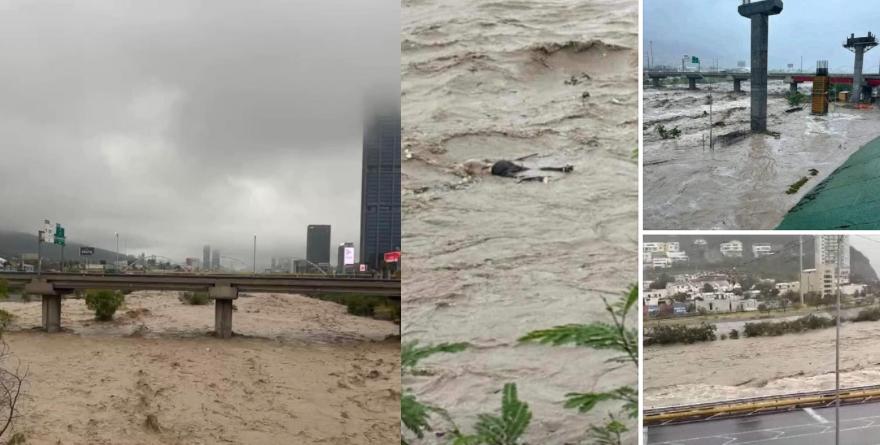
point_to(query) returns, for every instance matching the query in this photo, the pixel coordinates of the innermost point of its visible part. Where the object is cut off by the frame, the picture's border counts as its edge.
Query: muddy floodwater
(760, 366)
(490, 259)
(742, 183)
(298, 371)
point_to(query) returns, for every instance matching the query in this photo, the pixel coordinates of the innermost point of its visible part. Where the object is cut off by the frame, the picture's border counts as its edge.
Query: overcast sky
(181, 123)
(814, 29)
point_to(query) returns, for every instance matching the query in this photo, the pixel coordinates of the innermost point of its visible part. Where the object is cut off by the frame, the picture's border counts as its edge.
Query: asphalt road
(859, 425)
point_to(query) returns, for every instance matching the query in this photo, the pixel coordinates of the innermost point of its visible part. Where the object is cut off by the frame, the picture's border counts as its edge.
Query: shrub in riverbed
(869, 314)
(734, 334)
(195, 298)
(774, 328)
(104, 303)
(679, 333)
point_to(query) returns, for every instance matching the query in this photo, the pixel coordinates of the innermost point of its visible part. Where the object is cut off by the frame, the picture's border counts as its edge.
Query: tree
(681, 297)
(707, 288)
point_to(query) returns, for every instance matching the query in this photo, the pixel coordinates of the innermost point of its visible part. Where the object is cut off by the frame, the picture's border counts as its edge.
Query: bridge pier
(692, 83)
(792, 87)
(737, 86)
(223, 296)
(51, 303)
(656, 82)
(759, 13)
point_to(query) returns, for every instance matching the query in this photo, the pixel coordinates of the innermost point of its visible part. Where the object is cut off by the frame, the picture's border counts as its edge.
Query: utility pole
(801, 271)
(39, 253)
(711, 143)
(117, 252)
(255, 254)
(837, 351)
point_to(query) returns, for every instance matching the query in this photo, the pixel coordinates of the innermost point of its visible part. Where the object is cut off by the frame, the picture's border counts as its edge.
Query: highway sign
(695, 59)
(86, 251)
(59, 235)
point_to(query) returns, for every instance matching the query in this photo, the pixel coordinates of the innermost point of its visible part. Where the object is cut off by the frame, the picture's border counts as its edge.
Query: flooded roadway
(488, 259)
(742, 183)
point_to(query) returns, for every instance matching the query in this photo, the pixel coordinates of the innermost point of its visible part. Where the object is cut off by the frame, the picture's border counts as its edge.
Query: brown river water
(490, 259)
(740, 184)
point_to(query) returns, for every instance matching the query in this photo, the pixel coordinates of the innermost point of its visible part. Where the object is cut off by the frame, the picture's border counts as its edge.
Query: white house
(759, 250)
(677, 257)
(732, 248)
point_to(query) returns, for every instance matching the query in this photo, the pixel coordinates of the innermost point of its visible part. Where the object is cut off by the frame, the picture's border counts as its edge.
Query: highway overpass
(223, 288)
(802, 418)
(792, 79)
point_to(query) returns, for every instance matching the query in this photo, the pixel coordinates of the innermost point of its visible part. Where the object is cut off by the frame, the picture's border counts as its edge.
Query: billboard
(349, 255)
(86, 251)
(392, 257)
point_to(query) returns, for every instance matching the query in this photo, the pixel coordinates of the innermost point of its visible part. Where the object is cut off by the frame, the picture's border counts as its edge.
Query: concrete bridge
(793, 79)
(223, 288)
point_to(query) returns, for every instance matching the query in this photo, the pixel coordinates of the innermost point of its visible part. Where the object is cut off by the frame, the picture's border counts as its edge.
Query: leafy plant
(414, 414)
(598, 335)
(412, 353)
(506, 429)
(796, 98)
(104, 303)
(4, 288)
(608, 434)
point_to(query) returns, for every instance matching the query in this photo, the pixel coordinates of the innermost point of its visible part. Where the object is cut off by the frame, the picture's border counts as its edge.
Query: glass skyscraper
(380, 187)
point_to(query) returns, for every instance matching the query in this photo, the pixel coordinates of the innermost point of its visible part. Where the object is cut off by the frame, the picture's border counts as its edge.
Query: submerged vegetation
(668, 134)
(793, 188)
(510, 425)
(679, 333)
(774, 328)
(104, 303)
(615, 336)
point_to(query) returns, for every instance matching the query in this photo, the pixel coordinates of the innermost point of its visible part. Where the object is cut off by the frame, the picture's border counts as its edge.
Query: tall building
(318, 244)
(380, 186)
(215, 260)
(826, 253)
(206, 257)
(341, 257)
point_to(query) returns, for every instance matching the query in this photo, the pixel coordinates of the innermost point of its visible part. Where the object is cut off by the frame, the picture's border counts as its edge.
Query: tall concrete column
(737, 85)
(51, 303)
(223, 318)
(859, 46)
(792, 87)
(52, 313)
(857, 75)
(759, 13)
(656, 82)
(223, 296)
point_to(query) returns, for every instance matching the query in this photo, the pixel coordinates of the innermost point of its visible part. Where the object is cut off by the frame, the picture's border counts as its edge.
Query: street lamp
(255, 254)
(116, 264)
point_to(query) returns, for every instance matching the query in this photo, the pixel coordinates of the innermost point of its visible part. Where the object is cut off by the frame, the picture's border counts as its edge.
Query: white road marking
(815, 415)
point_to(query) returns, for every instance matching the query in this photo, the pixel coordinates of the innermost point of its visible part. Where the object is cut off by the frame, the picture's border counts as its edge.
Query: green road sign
(695, 59)
(59, 235)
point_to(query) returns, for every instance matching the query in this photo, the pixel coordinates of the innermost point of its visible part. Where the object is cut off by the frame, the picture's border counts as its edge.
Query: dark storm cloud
(180, 123)
(812, 29)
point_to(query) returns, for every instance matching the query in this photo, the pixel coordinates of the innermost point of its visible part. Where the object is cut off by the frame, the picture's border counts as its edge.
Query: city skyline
(183, 127)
